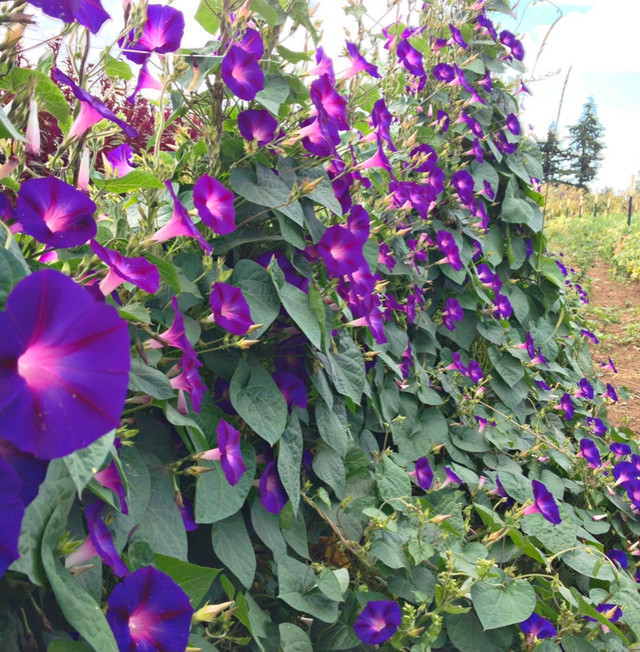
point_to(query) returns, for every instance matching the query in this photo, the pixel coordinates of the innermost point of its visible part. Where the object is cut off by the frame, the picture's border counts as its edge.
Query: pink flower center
(38, 365)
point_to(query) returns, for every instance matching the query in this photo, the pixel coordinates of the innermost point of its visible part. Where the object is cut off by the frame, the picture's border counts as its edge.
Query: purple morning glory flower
(410, 58)
(31, 472)
(456, 37)
(538, 627)
(109, 478)
(513, 124)
(149, 611)
(340, 250)
(457, 364)
(463, 183)
(55, 213)
(543, 503)
(228, 452)
(186, 511)
(378, 621)
(512, 44)
(56, 340)
(503, 308)
(189, 381)
(120, 160)
(272, 494)
(597, 425)
(319, 135)
(451, 314)
(443, 120)
(623, 472)
(609, 366)
(11, 513)
(474, 371)
(292, 388)
(241, 72)
(230, 309)
(89, 13)
(590, 452)
(611, 611)
(620, 450)
(611, 393)
(423, 473)
(145, 80)
(451, 478)
(102, 540)
(359, 63)
(214, 204)
(92, 109)
(257, 124)
(324, 65)
(180, 224)
(447, 245)
(381, 119)
(424, 158)
(618, 557)
(162, 32)
(138, 271)
(444, 72)
(326, 98)
(585, 389)
(485, 275)
(487, 24)
(566, 405)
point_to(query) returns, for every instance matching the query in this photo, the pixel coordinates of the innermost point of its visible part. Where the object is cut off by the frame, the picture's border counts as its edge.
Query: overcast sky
(596, 38)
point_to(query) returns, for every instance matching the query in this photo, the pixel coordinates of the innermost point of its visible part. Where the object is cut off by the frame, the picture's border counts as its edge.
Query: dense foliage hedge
(294, 371)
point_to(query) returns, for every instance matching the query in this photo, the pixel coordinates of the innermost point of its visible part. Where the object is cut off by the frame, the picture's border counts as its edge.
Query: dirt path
(615, 307)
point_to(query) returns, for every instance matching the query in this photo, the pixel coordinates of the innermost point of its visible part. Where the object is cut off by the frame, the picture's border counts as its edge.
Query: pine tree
(553, 155)
(584, 151)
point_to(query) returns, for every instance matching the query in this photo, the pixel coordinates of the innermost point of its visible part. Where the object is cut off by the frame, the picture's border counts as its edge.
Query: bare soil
(616, 309)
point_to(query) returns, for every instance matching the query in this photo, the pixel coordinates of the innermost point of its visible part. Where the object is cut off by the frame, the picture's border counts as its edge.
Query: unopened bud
(254, 327)
(198, 470)
(33, 129)
(210, 612)
(440, 518)
(309, 186)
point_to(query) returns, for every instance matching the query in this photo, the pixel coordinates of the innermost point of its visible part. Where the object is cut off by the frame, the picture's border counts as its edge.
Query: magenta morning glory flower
(292, 388)
(447, 245)
(241, 71)
(423, 473)
(89, 13)
(55, 341)
(618, 557)
(538, 627)
(378, 621)
(513, 124)
(272, 494)
(463, 183)
(109, 478)
(11, 513)
(228, 452)
(149, 611)
(180, 224)
(503, 308)
(214, 203)
(230, 309)
(450, 478)
(326, 98)
(120, 160)
(145, 80)
(359, 63)
(257, 124)
(137, 271)
(590, 452)
(543, 503)
(410, 58)
(162, 32)
(92, 109)
(451, 314)
(175, 335)
(55, 213)
(340, 250)
(189, 381)
(324, 65)
(611, 393)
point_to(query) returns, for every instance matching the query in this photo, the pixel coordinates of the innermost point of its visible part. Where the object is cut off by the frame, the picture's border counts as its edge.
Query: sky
(596, 39)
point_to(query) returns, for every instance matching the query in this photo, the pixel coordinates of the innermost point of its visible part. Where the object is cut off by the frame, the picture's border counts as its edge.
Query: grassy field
(583, 239)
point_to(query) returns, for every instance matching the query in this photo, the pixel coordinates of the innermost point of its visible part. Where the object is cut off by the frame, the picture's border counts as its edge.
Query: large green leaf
(346, 368)
(57, 489)
(290, 461)
(146, 379)
(257, 399)
(267, 527)
(207, 15)
(297, 304)
(194, 580)
(328, 466)
(78, 607)
(499, 605)
(258, 290)
(553, 537)
(48, 96)
(274, 93)
(466, 633)
(216, 499)
(332, 429)
(393, 482)
(296, 587)
(83, 463)
(294, 639)
(134, 180)
(233, 547)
